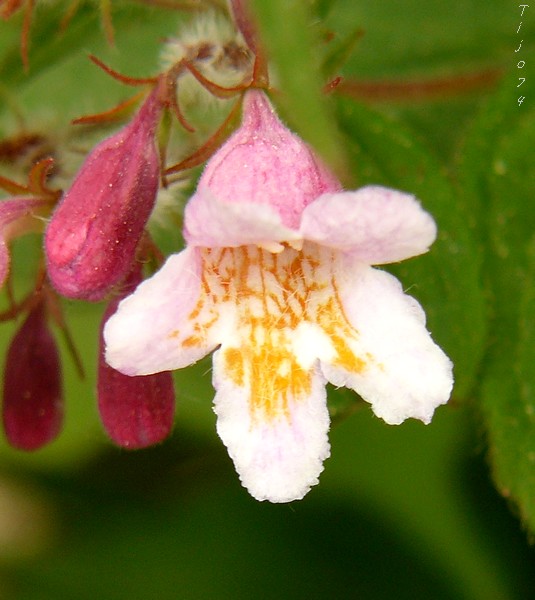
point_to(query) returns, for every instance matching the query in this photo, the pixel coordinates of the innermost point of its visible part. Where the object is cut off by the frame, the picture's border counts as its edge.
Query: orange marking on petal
(274, 376)
(235, 366)
(192, 340)
(346, 357)
(270, 294)
(335, 324)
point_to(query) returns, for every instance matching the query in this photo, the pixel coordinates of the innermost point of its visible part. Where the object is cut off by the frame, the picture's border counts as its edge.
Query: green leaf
(498, 171)
(341, 51)
(413, 39)
(446, 280)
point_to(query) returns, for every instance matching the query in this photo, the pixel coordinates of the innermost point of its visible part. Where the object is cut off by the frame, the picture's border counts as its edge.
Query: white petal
(277, 459)
(152, 329)
(405, 373)
(375, 224)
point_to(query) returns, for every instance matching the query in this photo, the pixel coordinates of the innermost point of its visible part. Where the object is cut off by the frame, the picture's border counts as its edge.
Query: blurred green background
(400, 512)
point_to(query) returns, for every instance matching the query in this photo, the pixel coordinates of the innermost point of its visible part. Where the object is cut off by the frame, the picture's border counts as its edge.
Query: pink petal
(277, 459)
(151, 330)
(213, 223)
(264, 164)
(33, 407)
(376, 225)
(136, 411)
(404, 373)
(92, 238)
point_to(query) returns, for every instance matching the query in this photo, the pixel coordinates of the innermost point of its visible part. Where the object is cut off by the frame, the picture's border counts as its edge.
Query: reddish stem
(172, 102)
(107, 23)
(213, 88)
(111, 114)
(418, 90)
(123, 78)
(9, 8)
(69, 14)
(12, 187)
(207, 149)
(25, 34)
(56, 312)
(36, 182)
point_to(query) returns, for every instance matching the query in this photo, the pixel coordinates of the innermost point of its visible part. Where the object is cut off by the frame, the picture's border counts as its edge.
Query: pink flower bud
(262, 163)
(135, 411)
(92, 237)
(17, 216)
(33, 409)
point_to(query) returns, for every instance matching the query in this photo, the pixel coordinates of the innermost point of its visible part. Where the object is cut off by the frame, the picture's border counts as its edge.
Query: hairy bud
(92, 237)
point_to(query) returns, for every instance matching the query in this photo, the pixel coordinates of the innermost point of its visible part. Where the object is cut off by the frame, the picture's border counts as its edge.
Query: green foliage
(497, 169)
(400, 512)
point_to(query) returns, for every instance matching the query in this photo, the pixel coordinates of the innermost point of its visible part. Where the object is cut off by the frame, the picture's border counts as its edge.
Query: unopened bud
(33, 407)
(136, 411)
(92, 237)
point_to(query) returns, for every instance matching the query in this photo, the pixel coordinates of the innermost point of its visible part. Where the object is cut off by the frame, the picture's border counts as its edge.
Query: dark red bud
(136, 411)
(92, 238)
(33, 406)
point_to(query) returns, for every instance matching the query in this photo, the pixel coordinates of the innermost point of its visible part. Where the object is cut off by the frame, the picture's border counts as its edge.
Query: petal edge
(379, 225)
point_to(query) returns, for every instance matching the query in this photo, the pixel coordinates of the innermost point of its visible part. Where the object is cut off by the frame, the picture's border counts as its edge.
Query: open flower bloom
(92, 237)
(277, 275)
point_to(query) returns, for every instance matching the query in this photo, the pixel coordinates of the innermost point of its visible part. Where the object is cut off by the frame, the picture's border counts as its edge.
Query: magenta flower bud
(136, 411)
(17, 216)
(92, 238)
(33, 406)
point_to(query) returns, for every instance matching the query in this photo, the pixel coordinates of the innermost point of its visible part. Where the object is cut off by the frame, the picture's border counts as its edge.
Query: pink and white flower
(276, 275)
